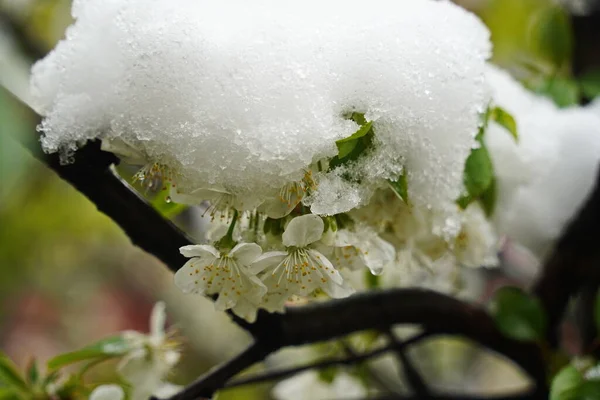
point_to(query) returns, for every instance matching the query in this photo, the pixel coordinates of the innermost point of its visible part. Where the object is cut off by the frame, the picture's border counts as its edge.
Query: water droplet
(168, 199)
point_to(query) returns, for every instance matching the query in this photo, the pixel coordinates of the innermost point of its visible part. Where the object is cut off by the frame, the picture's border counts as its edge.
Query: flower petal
(199, 250)
(107, 392)
(246, 253)
(302, 231)
(188, 277)
(157, 321)
(271, 258)
(327, 266)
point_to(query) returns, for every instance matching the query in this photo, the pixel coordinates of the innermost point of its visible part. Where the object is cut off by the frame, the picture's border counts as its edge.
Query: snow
(246, 96)
(546, 176)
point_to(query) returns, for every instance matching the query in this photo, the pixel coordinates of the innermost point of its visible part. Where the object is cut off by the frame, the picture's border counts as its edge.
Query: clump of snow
(545, 177)
(245, 95)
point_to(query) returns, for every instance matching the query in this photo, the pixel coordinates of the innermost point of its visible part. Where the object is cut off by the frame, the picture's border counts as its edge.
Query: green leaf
(518, 315)
(400, 187)
(33, 373)
(589, 390)
(110, 347)
(8, 394)
(504, 119)
(565, 383)
(564, 92)
(166, 207)
(10, 376)
(479, 171)
(372, 281)
(590, 83)
(488, 199)
(346, 145)
(551, 35)
(327, 375)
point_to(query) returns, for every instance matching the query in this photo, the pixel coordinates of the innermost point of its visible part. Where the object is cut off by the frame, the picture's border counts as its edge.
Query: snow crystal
(545, 177)
(245, 96)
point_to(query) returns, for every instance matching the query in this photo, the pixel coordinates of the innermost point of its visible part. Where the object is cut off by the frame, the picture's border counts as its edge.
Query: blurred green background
(69, 276)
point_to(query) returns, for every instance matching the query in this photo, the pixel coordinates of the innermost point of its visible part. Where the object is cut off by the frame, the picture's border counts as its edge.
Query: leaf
(518, 315)
(589, 390)
(479, 171)
(488, 198)
(400, 187)
(9, 374)
(33, 373)
(564, 92)
(590, 83)
(8, 394)
(166, 207)
(110, 347)
(565, 383)
(346, 145)
(372, 281)
(551, 35)
(328, 374)
(504, 119)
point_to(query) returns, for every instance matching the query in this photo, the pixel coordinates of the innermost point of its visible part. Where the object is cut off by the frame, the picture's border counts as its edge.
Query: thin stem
(356, 358)
(229, 233)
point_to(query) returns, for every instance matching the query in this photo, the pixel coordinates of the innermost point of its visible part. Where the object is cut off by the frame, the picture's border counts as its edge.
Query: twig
(353, 359)
(412, 375)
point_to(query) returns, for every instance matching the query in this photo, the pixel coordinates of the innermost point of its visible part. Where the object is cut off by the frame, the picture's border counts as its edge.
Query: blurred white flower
(309, 386)
(210, 271)
(301, 269)
(476, 244)
(107, 392)
(152, 356)
(359, 248)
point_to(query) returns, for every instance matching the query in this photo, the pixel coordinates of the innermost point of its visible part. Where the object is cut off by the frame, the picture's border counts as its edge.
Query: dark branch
(574, 262)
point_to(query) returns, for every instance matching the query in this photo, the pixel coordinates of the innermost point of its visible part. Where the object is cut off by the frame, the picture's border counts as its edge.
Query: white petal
(302, 231)
(107, 392)
(377, 254)
(199, 250)
(157, 321)
(271, 258)
(245, 253)
(275, 208)
(166, 390)
(187, 280)
(333, 274)
(246, 310)
(336, 291)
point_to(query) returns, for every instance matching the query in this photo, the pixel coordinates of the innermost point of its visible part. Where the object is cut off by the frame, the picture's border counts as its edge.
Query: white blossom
(299, 270)
(308, 386)
(226, 273)
(152, 356)
(107, 392)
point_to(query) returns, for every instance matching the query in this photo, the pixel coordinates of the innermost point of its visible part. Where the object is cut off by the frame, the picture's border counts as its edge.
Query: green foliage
(504, 119)
(350, 148)
(551, 35)
(371, 281)
(518, 315)
(400, 187)
(597, 311)
(590, 83)
(565, 383)
(327, 375)
(10, 376)
(110, 347)
(166, 207)
(563, 91)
